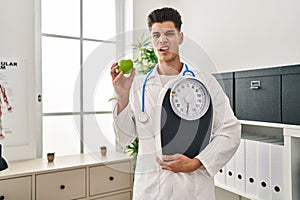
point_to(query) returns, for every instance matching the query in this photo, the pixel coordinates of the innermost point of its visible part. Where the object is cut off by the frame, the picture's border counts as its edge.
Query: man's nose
(162, 38)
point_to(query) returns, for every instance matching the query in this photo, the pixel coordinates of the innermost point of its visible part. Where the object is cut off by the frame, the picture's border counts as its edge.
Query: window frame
(120, 25)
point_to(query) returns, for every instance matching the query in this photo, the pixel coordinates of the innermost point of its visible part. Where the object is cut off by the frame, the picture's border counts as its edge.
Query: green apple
(125, 66)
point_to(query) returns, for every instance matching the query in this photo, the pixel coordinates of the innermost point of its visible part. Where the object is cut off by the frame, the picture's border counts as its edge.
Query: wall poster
(13, 102)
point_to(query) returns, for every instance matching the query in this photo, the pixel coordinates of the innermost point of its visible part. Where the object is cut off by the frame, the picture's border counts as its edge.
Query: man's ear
(180, 37)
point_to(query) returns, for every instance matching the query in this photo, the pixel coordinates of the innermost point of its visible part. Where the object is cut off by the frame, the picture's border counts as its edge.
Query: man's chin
(166, 58)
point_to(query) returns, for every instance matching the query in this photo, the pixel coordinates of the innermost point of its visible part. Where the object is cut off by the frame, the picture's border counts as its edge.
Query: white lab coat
(150, 181)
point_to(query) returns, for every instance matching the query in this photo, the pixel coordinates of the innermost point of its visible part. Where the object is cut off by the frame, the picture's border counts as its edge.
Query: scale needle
(187, 108)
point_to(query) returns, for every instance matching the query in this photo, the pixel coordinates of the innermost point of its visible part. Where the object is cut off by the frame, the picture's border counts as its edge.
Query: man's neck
(169, 69)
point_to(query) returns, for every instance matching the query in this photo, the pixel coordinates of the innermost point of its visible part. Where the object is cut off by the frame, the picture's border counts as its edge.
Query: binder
(263, 164)
(264, 168)
(220, 176)
(251, 180)
(277, 190)
(251, 161)
(230, 173)
(240, 167)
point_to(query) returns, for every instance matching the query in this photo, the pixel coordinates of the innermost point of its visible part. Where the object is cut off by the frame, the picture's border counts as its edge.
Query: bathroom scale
(186, 118)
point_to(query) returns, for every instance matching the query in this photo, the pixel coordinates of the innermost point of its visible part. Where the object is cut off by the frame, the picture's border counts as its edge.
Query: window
(76, 115)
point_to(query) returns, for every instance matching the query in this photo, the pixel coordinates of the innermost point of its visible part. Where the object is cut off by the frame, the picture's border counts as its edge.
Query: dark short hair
(164, 14)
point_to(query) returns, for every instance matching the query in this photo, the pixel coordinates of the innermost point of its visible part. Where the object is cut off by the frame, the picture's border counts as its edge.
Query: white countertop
(40, 165)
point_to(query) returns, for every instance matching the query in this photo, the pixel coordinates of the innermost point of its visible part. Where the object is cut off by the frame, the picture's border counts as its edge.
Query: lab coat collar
(156, 74)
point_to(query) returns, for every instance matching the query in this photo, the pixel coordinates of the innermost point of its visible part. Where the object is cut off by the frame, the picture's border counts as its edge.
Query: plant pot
(50, 157)
(103, 151)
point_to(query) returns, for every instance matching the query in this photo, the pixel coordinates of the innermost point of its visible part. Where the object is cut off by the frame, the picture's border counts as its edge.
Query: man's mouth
(163, 49)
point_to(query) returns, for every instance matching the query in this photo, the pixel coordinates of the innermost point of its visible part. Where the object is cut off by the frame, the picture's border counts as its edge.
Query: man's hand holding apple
(121, 83)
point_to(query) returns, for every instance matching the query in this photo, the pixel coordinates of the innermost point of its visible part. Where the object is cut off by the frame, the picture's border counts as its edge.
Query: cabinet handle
(62, 187)
(111, 178)
(1, 197)
(254, 85)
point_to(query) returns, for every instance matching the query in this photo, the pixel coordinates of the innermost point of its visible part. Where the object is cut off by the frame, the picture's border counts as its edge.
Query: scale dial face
(189, 99)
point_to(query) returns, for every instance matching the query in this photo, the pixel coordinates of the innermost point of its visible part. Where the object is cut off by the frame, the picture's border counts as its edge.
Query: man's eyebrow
(155, 32)
(170, 31)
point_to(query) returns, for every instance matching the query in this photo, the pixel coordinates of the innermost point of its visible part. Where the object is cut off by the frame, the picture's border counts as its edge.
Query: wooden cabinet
(83, 176)
(16, 188)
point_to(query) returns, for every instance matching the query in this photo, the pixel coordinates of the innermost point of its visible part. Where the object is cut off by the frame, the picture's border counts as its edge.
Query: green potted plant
(132, 149)
(146, 59)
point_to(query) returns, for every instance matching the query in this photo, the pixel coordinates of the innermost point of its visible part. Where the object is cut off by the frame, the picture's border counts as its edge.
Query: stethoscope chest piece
(143, 117)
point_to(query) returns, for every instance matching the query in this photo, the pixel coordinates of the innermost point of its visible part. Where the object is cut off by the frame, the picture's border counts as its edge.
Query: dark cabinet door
(258, 98)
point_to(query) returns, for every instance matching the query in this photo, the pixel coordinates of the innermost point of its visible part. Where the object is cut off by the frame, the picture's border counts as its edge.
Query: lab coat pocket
(184, 186)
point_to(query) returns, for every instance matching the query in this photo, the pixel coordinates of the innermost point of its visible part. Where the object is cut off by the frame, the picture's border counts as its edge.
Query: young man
(170, 176)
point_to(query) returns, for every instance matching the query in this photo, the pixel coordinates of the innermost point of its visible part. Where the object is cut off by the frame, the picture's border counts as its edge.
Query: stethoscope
(143, 116)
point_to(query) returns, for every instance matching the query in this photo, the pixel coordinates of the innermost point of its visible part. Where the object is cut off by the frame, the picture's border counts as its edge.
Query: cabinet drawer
(16, 188)
(63, 185)
(109, 178)
(258, 98)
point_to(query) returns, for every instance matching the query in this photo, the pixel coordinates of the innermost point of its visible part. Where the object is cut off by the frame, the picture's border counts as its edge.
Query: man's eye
(170, 33)
(155, 35)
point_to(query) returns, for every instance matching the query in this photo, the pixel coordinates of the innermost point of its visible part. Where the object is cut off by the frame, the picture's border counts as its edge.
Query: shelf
(269, 124)
(229, 189)
(280, 134)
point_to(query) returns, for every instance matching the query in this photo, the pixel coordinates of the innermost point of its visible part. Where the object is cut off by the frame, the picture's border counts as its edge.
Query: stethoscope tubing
(143, 90)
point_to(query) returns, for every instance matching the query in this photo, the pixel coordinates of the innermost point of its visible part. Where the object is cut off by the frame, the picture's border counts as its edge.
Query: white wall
(17, 41)
(237, 34)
